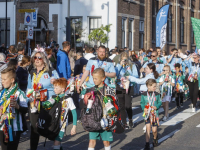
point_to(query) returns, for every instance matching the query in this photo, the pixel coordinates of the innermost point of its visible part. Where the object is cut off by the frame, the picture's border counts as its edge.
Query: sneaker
(147, 146)
(181, 105)
(131, 125)
(193, 109)
(155, 142)
(126, 127)
(164, 118)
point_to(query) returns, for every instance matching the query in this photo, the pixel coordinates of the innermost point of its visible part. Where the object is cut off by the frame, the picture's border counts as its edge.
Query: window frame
(130, 33)
(123, 30)
(97, 17)
(141, 34)
(4, 29)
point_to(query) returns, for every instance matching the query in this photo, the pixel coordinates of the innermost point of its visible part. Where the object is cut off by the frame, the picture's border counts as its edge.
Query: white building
(11, 15)
(92, 13)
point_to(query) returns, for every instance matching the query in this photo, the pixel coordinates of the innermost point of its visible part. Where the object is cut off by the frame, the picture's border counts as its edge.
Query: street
(183, 125)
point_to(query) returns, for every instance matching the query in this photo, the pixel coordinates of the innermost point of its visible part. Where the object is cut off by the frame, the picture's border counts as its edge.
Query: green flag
(196, 29)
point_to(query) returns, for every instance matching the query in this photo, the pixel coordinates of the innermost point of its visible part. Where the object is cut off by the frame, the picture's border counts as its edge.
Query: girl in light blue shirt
(151, 73)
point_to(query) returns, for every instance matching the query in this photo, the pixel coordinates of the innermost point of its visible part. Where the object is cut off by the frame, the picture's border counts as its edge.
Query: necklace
(36, 81)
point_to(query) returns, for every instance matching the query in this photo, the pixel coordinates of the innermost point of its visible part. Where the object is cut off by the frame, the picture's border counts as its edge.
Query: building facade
(133, 22)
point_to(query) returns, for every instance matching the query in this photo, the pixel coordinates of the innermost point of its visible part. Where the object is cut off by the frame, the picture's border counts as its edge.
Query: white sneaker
(144, 129)
(164, 118)
(193, 110)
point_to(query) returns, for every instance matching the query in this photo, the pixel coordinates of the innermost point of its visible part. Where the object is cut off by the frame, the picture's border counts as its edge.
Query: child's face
(166, 70)
(177, 69)
(147, 70)
(58, 89)
(7, 81)
(152, 87)
(84, 69)
(98, 79)
(186, 70)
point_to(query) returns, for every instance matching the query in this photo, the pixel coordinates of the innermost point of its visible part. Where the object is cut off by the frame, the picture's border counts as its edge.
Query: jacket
(63, 65)
(144, 100)
(78, 69)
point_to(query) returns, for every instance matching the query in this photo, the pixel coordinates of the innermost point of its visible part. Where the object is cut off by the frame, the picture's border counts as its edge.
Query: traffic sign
(30, 32)
(26, 10)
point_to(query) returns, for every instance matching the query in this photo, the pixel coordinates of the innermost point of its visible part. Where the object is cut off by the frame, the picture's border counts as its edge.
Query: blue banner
(161, 26)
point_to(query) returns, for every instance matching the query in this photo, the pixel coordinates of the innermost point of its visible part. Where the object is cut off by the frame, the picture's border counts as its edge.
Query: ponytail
(153, 68)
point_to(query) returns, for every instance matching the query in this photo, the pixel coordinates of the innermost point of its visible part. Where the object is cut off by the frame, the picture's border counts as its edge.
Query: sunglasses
(153, 56)
(39, 58)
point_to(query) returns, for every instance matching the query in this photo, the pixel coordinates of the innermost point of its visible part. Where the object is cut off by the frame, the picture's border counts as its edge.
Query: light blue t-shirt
(107, 65)
(173, 62)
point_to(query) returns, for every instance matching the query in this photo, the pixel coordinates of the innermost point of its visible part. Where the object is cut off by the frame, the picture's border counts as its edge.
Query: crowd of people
(96, 86)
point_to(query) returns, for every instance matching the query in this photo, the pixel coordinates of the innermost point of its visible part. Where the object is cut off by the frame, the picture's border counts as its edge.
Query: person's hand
(122, 63)
(52, 80)
(13, 103)
(73, 130)
(78, 89)
(127, 77)
(146, 111)
(154, 107)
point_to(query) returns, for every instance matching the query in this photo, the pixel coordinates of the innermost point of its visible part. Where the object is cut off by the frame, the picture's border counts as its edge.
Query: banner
(161, 26)
(34, 18)
(30, 32)
(196, 29)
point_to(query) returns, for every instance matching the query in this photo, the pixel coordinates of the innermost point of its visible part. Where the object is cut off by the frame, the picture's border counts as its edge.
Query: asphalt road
(180, 132)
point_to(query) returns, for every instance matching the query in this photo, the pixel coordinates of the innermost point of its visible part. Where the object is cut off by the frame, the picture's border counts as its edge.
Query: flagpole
(176, 24)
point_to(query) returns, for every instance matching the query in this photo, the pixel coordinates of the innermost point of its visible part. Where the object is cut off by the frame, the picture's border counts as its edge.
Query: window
(169, 25)
(94, 23)
(76, 29)
(130, 32)
(3, 31)
(141, 36)
(123, 32)
(181, 25)
(155, 8)
(192, 32)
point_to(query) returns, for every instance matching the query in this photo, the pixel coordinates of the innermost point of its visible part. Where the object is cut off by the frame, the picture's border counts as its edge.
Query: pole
(6, 25)
(176, 23)
(74, 36)
(108, 21)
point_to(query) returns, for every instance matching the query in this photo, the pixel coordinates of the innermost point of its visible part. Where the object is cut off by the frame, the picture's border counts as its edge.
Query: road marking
(165, 137)
(198, 126)
(179, 117)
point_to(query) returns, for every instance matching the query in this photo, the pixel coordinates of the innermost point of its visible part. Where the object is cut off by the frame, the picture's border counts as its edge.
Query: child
(166, 82)
(14, 100)
(59, 89)
(22, 73)
(98, 78)
(151, 99)
(179, 77)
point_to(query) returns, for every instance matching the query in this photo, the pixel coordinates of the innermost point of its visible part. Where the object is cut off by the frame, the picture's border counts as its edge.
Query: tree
(100, 34)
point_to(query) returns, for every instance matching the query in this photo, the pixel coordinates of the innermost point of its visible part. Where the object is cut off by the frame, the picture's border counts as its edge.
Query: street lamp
(102, 7)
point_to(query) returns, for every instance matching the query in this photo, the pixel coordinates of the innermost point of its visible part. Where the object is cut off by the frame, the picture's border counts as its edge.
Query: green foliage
(100, 34)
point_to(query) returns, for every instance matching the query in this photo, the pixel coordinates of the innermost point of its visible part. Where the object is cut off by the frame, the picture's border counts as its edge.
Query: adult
(12, 53)
(160, 57)
(52, 43)
(3, 66)
(89, 53)
(80, 62)
(116, 59)
(114, 53)
(3, 49)
(20, 51)
(151, 73)
(51, 56)
(173, 59)
(63, 65)
(40, 73)
(98, 62)
(193, 79)
(72, 55)
(126, 67)
(164, 54)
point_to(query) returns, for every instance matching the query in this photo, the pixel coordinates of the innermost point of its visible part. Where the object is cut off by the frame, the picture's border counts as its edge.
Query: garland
(36, 81)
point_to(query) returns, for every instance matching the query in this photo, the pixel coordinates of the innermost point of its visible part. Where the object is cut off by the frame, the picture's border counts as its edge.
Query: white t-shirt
(112, 56)
(166, 85)
(89, 55)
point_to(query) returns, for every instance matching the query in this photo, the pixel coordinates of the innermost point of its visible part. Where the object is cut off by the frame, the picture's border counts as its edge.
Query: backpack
(91, 120)
(48, 124)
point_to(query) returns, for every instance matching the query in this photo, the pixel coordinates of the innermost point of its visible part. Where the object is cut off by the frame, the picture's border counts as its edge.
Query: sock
(108, 148)
(90, 148)
(56, 147)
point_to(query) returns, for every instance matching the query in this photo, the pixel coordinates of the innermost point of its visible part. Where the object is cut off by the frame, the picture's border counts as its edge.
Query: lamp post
(176, 23)
(74, 24)
(6, 25)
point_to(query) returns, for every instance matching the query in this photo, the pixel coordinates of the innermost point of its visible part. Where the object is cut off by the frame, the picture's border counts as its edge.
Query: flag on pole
(161, 26)
(196, 29)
